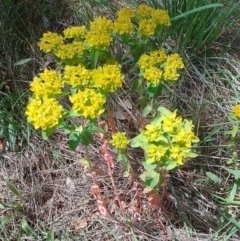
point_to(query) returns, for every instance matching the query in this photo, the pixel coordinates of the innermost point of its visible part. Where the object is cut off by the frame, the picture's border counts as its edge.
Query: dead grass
(56, 188)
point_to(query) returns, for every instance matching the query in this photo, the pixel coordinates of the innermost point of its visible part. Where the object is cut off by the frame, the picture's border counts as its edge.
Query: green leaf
(234, 131)
(139, 141)
(28, 229)
(46, 133)
(213, 177)
(164, 111)
(74, 140)
(139, 50)
(5, 219)
(2, 205)
(94, 129)
(233, 191)
(192, 154)
(18, 206)
(183, 15)
(122, 157)
(23, 61)
(235, 173)
(94, 56)
(154, 91)
(143, 102)
(171, 165)
(136, 85)
(148, 166)
(50, 235)
(146, 110)
(125, 38)
(12, 133)
(14, 190)
(227, 200)
(151, 178)
(163, 140)
(156, 121)
(86, 138)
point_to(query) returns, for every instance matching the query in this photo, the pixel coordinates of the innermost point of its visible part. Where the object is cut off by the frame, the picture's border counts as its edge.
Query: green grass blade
(183, 15)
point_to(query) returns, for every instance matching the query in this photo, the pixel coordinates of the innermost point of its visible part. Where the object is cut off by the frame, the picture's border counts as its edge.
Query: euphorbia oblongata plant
(89, 67)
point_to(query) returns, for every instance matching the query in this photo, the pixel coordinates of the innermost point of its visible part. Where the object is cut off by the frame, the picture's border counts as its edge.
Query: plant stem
(90, 165)
(115, 189)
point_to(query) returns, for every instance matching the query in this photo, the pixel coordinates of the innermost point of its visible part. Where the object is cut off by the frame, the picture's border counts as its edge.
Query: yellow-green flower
(50, 82)
(155, 153)
(75, 32)
(102, 24)
(178, 154)
(144, 11)
(185, 138)
(127, 13)
(77, 75)
(108, 77)
(236, 110)
(100, 33)
(44, 113)
(152, 132)
(170, 73)
(160, 17)
(146, 61)
(50, 41)
(67, 51)
(158, 56)
(88, 103)
(153, 75)
(171, 123)
(147, 27)
(173, 63)
(98, 39)
(123, 25)
(120, 140)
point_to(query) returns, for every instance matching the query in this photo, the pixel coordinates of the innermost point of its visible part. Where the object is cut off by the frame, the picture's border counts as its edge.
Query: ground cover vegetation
(119, 120)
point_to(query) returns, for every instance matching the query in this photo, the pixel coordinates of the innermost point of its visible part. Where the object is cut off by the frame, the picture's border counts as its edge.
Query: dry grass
(56, 189)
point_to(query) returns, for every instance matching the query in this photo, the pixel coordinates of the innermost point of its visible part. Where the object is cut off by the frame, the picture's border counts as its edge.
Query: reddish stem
(115, 189)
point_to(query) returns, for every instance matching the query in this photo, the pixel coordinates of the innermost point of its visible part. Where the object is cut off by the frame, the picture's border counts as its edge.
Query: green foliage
(12, 119)
(18, 214)
(166, 142)
(196, 25)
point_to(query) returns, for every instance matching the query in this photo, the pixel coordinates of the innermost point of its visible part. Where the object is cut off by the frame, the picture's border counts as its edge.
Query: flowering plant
(90, 66)
(167, 143)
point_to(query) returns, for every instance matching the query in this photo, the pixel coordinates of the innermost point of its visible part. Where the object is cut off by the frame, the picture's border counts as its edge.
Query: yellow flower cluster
(236, 110)
(50, 41)
(152, 132)
(155, 58)
(78, 32)
(88, 103)
(168, 138)
(123, 23)
(100, 33)
(154, 153)
(44, 113)
(77, 76)
(157, 66)
(48, 83)
(150, 19)
(144, 11)
(173, 64)
(108, 78)
(67, 51)
(119, 140)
